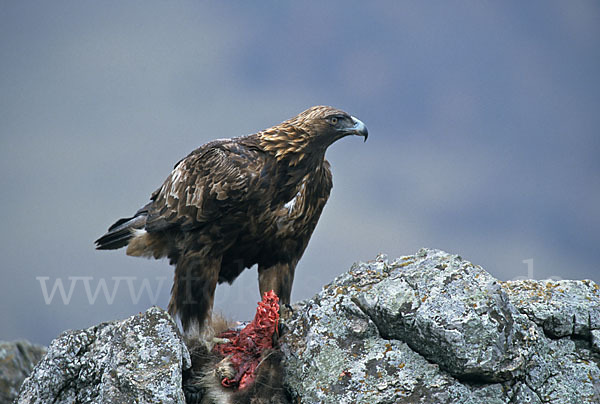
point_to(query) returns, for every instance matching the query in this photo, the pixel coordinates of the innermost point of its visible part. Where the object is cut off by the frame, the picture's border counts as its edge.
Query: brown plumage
(233, 203)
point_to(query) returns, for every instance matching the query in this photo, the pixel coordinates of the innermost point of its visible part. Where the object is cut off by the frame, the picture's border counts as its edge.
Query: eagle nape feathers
(233, 203)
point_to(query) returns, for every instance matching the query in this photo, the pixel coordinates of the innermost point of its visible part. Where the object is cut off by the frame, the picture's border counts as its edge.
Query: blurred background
(484, 122)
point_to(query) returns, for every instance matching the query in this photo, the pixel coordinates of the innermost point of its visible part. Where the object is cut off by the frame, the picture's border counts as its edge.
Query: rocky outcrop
(427, 328)
(17, 360)
(139, 359)
(433, 328)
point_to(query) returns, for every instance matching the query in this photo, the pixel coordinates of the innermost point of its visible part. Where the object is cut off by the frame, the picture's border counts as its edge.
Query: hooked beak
(359, 128)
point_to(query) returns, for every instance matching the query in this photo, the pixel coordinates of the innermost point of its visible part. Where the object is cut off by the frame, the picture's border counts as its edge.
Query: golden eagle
(233, 203)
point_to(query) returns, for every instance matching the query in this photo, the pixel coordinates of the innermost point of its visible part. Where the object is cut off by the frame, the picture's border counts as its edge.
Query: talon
(217, 340)
(285, 313)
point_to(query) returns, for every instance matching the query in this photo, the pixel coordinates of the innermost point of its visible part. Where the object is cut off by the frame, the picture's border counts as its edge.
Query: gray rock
(17, 360)
(561, 308)
(434, 328)
(139, 359)
(428, 328)
(451, 312)
(564, 371)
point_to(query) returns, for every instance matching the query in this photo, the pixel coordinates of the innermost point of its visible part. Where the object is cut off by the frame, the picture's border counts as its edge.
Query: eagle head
(311, 132)
(327, 124)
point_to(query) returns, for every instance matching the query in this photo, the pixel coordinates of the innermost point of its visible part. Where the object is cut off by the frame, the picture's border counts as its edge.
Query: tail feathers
(120, 233)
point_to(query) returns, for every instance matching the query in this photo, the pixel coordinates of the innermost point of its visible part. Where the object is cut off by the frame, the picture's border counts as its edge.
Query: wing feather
(213, 181)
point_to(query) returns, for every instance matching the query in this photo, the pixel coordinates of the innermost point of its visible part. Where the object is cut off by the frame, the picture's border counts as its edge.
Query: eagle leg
(193, 290)
(279, 279)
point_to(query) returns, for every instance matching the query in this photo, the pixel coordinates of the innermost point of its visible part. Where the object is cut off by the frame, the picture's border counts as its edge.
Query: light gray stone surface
(139, 359)
(433, 328)
(561, 308)
(17, 360)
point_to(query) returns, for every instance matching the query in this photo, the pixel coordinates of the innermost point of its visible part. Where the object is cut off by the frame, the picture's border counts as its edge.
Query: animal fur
(202, 382)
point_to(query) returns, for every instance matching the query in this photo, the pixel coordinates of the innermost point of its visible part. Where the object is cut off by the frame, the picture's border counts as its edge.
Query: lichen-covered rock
(564, 371)
(433, 328)
(17, 360)
(453, 313)
(428, 328)
(561, 308)
(568, 312)
(139, 359)
(343, 359)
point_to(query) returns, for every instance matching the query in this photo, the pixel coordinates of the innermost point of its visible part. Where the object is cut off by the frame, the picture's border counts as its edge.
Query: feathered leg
(193, 290)
(278, 278)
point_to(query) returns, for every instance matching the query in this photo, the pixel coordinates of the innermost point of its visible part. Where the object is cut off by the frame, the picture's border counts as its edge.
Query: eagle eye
(336, 120)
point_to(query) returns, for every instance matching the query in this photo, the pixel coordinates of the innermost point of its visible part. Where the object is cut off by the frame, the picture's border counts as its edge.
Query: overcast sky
(484, 123)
